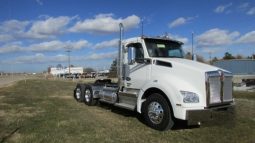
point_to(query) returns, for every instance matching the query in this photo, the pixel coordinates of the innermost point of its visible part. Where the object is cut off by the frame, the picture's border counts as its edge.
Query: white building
(73, 70)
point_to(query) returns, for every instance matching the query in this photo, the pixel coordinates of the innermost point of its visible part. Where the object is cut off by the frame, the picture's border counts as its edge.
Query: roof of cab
(157, 38)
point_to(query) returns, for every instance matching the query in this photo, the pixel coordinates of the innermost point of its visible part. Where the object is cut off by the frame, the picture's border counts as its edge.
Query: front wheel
(157, 113)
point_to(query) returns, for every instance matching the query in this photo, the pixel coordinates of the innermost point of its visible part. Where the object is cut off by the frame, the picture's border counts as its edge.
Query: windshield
(163, 48)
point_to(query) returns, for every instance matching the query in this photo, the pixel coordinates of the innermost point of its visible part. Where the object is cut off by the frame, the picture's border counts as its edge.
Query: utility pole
(192, 54)
(253, 55)
(68, 51)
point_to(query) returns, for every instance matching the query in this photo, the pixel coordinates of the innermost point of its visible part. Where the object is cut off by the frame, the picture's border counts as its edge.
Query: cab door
(137, 69)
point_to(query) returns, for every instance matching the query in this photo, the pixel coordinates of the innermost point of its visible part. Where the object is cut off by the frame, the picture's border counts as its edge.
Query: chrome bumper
(194, 117)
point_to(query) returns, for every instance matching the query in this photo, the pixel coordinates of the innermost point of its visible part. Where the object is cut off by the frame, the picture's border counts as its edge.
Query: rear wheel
(157, 112)
(78, 92)
(88, 96)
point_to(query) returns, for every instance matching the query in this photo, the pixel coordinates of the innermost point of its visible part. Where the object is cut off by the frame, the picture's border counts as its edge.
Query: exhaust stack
(120, 57)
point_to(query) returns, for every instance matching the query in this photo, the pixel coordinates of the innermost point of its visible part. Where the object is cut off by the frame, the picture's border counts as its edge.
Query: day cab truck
(156, 81)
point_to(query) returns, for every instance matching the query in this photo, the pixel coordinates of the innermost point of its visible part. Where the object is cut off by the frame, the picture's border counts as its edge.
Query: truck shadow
(179, 124)
(117, 110)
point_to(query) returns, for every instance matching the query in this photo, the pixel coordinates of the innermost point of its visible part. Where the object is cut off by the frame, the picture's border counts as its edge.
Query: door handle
(128, 78)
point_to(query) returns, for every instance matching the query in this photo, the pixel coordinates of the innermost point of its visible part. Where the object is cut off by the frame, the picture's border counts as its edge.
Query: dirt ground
(7, 80)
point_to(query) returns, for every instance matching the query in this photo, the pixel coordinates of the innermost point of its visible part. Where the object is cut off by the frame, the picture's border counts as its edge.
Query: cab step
(125, 106)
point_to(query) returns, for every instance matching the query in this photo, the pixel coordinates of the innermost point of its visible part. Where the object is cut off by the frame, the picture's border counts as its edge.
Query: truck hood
(190, 65)
(182, 75)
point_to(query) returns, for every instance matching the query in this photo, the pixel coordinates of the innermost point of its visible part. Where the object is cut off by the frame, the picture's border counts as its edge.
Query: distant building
(242, 69)
(60, 71)
(103, 72)
(238, 66)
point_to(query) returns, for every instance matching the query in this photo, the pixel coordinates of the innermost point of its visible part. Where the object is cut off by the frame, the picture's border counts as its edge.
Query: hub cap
(78, 93)
(155, 112)
(87, 95)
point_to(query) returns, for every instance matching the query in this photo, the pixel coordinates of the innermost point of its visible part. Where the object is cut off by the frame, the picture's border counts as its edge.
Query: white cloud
(105, 23)
(177, 22)
(107, 44)
(41, 58)
(180, 21)
(13, 26)
(59, 58)
(9, 48)
(247, 38)
(54, 45)
(38, 29)
(37, 58)
(5, 37)
(49, 26)
(11, 29)
(251, 11)
(222, 8)
(180, 38)
(99, 56)
(244, 5)
(211, 50)
(216, 37)
(59, 45)
(39, 2)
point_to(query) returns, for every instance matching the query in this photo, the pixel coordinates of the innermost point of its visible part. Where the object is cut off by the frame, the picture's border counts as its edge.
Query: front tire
(157, 113)
(88, 96)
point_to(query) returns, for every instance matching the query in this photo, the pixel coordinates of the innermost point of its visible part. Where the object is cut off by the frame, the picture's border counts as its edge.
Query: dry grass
(45, 111)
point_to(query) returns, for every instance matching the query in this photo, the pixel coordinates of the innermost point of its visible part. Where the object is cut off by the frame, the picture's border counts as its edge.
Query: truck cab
(155, 80)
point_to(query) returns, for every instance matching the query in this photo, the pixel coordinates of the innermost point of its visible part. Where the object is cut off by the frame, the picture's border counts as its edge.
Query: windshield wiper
(174, 57)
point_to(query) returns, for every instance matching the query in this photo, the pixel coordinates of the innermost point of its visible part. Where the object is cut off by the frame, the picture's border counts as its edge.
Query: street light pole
(210, 56)
(68, 51)
(192, 54)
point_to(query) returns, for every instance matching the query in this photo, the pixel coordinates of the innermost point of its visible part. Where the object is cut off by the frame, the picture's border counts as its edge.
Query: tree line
(188, 55)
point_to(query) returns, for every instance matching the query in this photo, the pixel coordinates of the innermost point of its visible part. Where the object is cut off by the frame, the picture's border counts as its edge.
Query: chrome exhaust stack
(120, 57)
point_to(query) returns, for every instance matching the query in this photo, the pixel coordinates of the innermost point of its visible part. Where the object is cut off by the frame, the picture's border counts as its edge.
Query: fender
(171, 88)
(170, 91)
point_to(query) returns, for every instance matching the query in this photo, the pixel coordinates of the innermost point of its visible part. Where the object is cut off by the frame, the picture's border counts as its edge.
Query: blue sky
(35, 34)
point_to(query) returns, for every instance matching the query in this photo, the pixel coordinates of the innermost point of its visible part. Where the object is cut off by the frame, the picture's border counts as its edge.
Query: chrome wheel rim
(155, 112)
(78, 93)
(87, 95)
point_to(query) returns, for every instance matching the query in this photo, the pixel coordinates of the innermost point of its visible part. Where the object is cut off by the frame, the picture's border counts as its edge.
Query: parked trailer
(156, 81)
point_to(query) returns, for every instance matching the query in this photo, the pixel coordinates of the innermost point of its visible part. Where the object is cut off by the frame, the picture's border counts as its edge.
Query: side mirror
(131, 55)
(194, 57)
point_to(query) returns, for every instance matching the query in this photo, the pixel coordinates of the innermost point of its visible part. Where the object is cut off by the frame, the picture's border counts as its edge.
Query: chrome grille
(219, 87)
(215, 93)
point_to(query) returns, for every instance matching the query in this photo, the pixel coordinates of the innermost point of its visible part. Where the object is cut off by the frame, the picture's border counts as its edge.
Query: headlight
(189, 97)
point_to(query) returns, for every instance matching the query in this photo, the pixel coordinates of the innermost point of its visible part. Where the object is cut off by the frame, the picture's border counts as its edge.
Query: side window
(135, 53)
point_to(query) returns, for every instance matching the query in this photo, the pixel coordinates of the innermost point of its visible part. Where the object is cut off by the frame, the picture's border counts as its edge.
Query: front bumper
(194, 117)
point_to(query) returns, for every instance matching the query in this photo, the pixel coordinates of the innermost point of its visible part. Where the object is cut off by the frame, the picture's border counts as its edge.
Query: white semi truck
(155, 80)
